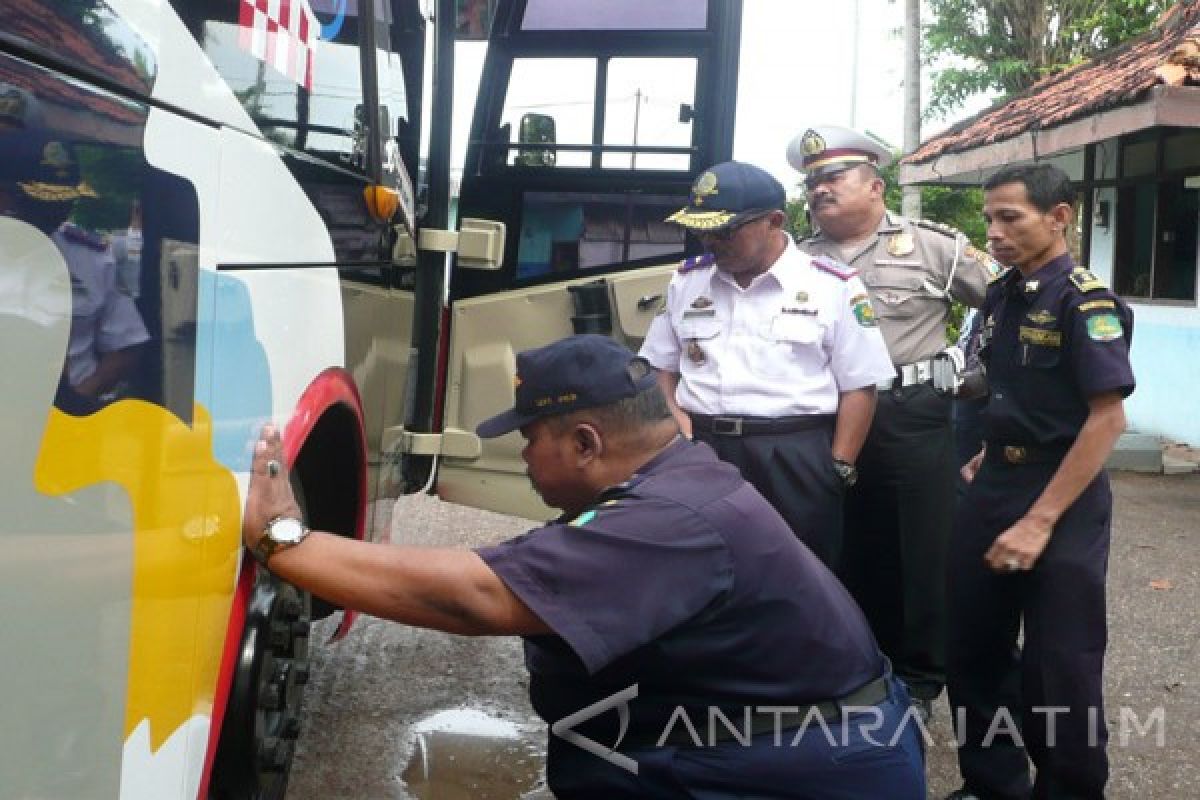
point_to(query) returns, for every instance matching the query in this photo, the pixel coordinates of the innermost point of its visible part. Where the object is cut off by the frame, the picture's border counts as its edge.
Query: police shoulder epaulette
(702, 261)
(1085, 281)
(835, 268)
(74, 233)
(941, 228)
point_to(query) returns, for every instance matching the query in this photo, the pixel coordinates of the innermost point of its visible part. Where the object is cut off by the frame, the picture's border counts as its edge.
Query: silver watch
(279, 534)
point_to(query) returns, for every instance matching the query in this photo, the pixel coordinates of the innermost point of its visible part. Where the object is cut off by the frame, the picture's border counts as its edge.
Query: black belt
(1025, 453)
(868, 695)
(749, 426)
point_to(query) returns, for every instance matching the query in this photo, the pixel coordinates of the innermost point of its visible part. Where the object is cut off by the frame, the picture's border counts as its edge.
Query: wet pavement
(395, 712)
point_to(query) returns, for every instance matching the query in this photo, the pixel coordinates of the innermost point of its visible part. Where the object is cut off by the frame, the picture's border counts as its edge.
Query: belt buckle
(727, 426)
(1015, 455)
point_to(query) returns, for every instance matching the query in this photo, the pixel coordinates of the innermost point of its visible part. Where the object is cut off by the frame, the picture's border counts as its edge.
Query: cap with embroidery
(583, 371)
(728, 194)
(827, 149)
(42, 168)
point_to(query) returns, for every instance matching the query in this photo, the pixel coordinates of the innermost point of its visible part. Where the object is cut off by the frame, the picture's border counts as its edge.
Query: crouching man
(669, 592)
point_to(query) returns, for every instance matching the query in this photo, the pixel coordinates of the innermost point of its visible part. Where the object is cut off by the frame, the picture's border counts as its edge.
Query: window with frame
(1158, 216)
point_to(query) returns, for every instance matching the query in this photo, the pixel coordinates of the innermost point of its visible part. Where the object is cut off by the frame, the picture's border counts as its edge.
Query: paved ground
(369, 734)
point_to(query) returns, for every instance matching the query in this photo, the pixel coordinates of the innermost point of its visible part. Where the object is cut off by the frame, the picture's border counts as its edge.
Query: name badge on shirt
(692, 313)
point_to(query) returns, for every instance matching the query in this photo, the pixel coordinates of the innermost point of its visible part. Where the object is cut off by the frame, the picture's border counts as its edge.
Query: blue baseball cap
(583, 371)
(728, 194)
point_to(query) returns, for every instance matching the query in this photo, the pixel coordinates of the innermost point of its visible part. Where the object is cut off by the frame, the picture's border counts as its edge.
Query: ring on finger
(1012, 565)
(273, 468)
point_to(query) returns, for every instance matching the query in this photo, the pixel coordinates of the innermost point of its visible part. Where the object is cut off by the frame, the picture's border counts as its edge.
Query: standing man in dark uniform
(899, 514)
(768, 355)
(667, 589)
(1031, 541)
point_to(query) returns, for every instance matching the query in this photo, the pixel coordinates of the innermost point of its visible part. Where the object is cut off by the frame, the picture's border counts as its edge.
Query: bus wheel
(262, 718)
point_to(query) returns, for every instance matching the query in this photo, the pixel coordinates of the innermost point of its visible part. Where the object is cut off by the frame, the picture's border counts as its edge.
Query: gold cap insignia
(812, 143)
(705, 186)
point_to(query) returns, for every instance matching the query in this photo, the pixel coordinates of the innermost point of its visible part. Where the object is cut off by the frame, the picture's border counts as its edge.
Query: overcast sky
(796, 71)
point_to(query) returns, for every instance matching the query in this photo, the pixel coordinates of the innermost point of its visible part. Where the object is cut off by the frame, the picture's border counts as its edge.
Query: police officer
(1030, 548)
(899, 515)
(768, 355)
(669, 587)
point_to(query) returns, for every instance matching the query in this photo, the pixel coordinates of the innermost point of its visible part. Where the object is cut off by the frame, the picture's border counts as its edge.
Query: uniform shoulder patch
(939, 227)
(702, 261)
(833, 267)
(1085, 281)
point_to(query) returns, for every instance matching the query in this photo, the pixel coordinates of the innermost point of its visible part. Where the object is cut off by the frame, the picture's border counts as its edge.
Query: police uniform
(1050, 343)
(103, 319)
(900, 512)
(761, 368)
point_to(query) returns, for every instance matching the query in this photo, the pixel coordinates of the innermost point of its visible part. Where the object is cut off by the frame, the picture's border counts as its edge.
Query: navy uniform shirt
(1051, 342)
(687, 583)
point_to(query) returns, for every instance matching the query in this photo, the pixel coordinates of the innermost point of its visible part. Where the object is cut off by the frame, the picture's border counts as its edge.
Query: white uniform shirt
(102, 318)
(785, 345)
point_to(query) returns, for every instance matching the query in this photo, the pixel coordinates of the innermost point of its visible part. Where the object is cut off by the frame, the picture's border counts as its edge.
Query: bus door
(592, 121)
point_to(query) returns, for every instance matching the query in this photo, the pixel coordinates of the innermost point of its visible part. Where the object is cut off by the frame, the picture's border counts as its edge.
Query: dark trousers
(870, 753)
(1061, 605)
(794, 472)
(898, 521)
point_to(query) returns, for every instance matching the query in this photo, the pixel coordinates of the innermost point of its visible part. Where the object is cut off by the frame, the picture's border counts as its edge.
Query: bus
(215, 213)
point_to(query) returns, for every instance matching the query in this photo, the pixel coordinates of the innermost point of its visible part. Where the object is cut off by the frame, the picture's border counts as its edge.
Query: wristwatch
(280, 534)
(846, 471)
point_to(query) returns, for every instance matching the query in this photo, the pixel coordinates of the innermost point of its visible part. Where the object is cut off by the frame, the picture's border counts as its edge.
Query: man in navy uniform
(667, 587)
(1030, 549)
(768, 355)
(899, 514)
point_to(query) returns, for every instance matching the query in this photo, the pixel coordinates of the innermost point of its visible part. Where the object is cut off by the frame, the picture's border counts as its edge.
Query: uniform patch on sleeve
(860, 304)
(1104, 327)
(993, 267)
(1092, 305)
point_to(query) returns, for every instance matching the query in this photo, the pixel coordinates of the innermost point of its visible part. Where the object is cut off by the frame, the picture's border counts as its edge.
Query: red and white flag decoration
(283, 33)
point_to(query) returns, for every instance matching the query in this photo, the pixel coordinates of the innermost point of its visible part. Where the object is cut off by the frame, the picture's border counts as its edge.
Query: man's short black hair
(1045, 184)
(626, 417)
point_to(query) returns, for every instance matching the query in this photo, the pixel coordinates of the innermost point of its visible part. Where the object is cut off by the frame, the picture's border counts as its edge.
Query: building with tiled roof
(1126, 128)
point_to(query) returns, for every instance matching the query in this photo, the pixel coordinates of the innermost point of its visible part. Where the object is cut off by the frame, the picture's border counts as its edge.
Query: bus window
(562, 232)
(568, 99)
(648, 103)
(614, 15)
(298, 78)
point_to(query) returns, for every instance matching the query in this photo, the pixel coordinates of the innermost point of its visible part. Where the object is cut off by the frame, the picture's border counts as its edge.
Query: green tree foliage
(1005, 46)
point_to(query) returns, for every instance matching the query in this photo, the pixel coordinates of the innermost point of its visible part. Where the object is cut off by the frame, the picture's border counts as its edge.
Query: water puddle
(465, 754)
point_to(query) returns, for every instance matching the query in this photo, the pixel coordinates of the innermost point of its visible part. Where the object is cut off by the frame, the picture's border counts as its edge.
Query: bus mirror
(536, 129)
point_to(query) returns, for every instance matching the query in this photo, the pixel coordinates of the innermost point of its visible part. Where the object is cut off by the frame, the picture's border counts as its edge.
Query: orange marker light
(382, 202)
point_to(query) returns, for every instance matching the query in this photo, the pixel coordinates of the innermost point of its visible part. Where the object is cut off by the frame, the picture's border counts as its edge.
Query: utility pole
(910, 204)
(854, 66)
(637, 112)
